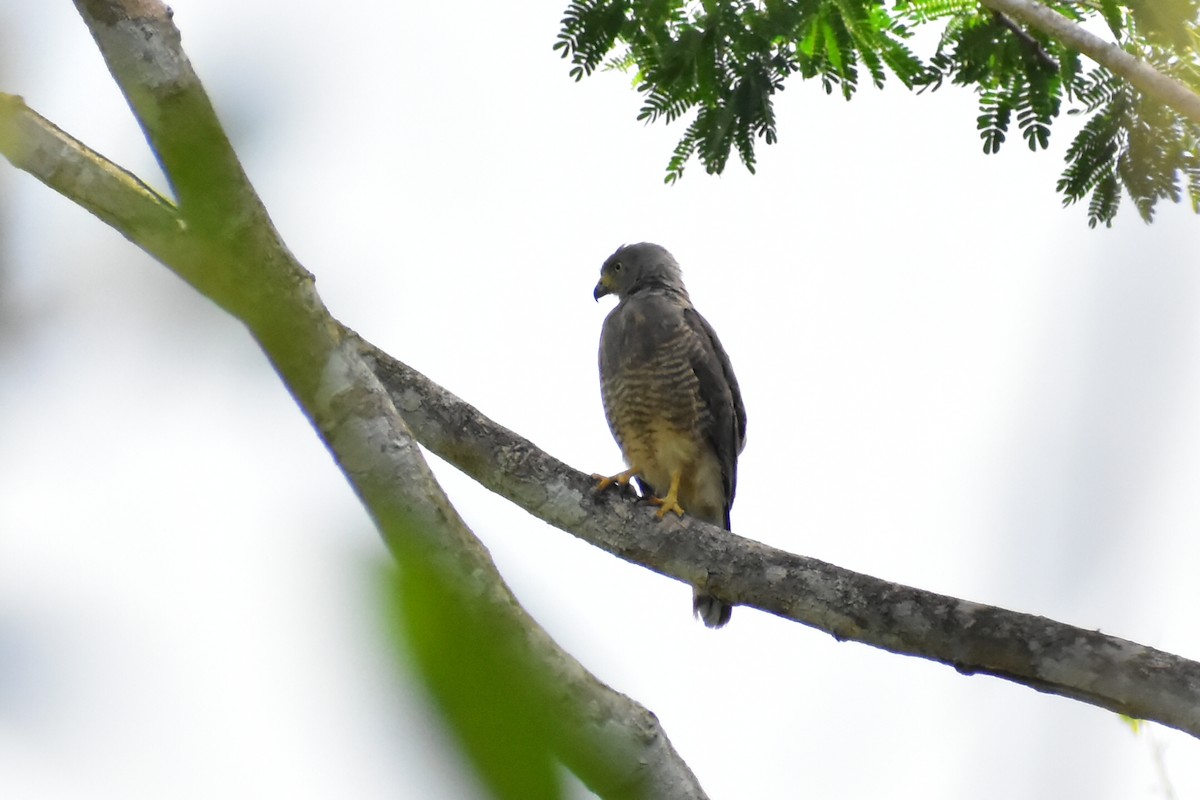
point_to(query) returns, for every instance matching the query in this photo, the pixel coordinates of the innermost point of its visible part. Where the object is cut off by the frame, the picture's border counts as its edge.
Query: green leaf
(474, 669)
(1114, 17)
(722, 62)
(1136, 725)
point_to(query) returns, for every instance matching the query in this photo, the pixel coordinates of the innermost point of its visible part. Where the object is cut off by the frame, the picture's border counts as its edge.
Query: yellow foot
(621, 479)
(666, 504)
(671, 501)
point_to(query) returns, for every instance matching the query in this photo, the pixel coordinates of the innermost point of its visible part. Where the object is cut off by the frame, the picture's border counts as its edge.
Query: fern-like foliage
(1132, 142)
(1015, 72)
(721, 62)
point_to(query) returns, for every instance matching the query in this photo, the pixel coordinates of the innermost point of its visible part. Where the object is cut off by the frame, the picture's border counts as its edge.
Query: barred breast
(653, 401)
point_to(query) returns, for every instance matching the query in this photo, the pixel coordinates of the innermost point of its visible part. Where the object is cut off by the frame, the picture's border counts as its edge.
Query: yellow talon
(621, 478)
(671, 501)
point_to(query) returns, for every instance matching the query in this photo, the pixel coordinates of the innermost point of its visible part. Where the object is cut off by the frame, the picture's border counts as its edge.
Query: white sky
(951, 382)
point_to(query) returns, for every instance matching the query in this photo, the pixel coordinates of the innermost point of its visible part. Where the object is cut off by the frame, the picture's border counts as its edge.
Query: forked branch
(337, 379)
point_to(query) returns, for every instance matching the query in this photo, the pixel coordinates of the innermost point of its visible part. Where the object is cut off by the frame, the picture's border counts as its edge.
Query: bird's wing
(720, 393)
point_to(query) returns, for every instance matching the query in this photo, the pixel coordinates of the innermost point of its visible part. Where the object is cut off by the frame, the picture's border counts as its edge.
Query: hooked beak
(602, 288)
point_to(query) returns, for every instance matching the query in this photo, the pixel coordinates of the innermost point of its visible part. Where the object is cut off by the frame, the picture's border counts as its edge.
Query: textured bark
(230, 252)
(1049, 656)
(220, 239)
(1142, 76)
(34, 144)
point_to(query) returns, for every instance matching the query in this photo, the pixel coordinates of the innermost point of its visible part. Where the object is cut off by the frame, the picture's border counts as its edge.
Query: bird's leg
(671, 501)
(621, 478)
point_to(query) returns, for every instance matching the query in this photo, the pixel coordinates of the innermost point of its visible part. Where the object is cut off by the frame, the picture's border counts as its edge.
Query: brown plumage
(670, 395)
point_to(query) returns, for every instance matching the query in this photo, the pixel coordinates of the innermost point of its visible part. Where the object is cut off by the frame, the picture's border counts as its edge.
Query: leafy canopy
(722, 61)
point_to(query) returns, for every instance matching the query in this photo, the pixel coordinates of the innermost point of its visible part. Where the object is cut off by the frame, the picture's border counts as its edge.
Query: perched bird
(670, 396)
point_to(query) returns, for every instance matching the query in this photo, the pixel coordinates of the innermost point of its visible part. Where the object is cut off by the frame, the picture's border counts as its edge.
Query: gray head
(635, 267)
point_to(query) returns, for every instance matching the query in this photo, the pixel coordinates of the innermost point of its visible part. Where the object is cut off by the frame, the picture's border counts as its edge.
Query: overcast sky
(951, 382)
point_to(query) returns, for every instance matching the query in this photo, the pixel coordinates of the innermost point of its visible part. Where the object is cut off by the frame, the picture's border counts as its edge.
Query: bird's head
(635, 267)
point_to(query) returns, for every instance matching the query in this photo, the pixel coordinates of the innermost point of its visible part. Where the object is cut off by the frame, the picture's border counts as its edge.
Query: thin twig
(1031, 44)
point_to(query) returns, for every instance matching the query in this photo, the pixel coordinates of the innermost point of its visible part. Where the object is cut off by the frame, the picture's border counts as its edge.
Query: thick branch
(141, 46)
(614, 744)
(1043, 654)
(1140, 75)
(227, 248)
(1046, 655)
(374, 449)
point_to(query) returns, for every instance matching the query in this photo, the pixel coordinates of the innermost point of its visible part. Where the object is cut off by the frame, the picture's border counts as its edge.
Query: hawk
(670, 396)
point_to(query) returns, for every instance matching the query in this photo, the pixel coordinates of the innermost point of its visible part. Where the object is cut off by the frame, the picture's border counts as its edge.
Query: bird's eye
(616, 267)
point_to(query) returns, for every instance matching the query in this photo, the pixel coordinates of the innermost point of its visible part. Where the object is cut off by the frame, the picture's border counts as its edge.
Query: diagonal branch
(221, 240)
(119, 198)
(348, 409)
(1049, 656)
(1028, 42)
(1142, 76)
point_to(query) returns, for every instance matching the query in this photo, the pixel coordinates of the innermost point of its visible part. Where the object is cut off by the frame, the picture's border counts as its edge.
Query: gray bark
(220, 239)
(1049, 656)
(368, 407)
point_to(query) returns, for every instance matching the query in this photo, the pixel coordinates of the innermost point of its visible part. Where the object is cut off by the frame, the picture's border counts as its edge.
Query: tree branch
(1045, 655)
(119, 198)
(221, 240)
(374, 449)
(1028, 42)
(614, 744)
(1140, 75)
(1048, 656)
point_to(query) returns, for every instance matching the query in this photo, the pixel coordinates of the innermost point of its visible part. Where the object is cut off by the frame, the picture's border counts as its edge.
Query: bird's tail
(712, 612)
